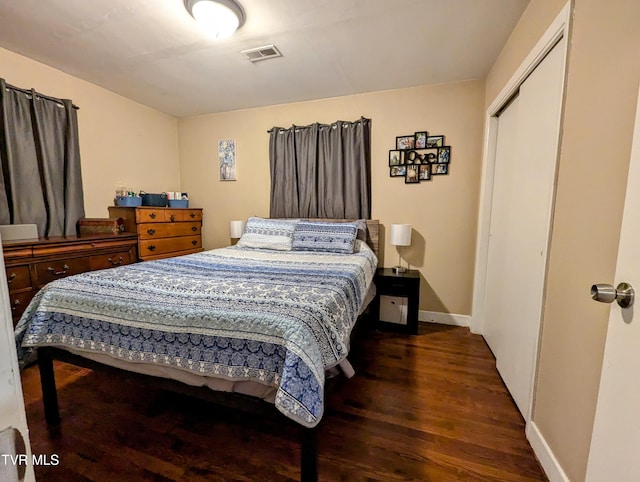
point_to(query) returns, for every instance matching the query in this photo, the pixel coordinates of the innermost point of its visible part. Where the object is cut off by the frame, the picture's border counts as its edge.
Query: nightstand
(397, 299)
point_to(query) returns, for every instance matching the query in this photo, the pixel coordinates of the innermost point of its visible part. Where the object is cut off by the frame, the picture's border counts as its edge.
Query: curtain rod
(38, 94)
(362, 119)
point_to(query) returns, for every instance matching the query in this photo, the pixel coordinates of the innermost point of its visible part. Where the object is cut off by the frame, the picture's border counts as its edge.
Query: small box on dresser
(93, 226)
(397, 300)
(162, 232)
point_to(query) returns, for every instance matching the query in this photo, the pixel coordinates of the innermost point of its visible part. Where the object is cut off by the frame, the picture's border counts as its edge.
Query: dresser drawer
(173, 216)
(191, 214)
(52, 270)
(150, 215)
(168, 230)
(104, 261)
(179, 215)
(155, 247)
(31, 264)
(162, 231)
(19, 302)
(18, 277)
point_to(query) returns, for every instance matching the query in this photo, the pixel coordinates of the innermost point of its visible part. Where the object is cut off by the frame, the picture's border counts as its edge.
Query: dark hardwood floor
(430, 407)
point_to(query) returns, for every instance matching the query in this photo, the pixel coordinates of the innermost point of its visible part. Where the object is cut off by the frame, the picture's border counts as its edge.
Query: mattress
(265, 323)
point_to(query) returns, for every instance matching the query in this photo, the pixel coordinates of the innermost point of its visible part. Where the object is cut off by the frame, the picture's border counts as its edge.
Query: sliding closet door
(502, 214)
(527, 146)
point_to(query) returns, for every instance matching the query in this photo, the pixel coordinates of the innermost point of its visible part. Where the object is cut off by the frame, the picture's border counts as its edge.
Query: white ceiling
(152, 51)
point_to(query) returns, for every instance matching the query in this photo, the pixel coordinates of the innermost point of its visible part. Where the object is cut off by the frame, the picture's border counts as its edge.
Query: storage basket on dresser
(162, 232)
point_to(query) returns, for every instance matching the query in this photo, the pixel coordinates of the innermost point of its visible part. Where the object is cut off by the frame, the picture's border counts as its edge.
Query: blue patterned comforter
(279, 318)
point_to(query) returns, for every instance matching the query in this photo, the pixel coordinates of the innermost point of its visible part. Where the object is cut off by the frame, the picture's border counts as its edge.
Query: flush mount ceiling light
(219, 17)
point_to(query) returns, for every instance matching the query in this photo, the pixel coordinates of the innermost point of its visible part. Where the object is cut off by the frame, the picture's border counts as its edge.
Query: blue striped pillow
(324, 237)
(268, 234)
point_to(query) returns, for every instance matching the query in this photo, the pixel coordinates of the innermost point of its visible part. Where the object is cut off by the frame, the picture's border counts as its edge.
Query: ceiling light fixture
(219, 17)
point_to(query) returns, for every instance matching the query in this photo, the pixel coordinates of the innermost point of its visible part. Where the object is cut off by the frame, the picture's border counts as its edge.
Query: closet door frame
(559, 28)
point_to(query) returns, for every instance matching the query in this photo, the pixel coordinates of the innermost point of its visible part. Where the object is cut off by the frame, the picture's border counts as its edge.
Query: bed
(256, 319)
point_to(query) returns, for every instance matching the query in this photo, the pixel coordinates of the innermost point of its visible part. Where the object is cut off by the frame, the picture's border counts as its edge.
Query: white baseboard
(545, 455)
(444, 318)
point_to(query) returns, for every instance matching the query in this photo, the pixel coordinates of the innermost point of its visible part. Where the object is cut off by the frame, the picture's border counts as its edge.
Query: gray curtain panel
(321, 171)
(39, 150)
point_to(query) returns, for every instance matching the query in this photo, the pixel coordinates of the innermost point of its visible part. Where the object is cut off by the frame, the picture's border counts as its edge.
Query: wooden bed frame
(309, 447)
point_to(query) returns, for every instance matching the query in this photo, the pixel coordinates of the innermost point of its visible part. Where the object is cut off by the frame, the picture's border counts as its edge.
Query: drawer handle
(16, 303)
(115, 263)
(151, 247)
(13, 276)
(152, 215)
(172, 218)
(192, 215)
(151, 231)
(194, 242)
(194, 229)
(65, 268)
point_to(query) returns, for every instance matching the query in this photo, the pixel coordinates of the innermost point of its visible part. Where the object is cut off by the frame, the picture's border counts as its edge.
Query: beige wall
(533, 23)
(443, 212)
(601, 95)
(121, 141)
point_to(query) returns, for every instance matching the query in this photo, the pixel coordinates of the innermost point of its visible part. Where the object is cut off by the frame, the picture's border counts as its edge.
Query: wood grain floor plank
(430, 407)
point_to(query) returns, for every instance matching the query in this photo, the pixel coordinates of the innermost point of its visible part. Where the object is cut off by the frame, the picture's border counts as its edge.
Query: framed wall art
(434, 141)
(412, 174)
(424, 172)
(419, 157)
(439, 169)
(227, 159)
(421, 139)
(444, 154)
(395, 158)
(405, 142)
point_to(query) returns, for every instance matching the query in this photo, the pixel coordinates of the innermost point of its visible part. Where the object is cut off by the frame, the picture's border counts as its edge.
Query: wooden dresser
(30, 264)
(162, 232)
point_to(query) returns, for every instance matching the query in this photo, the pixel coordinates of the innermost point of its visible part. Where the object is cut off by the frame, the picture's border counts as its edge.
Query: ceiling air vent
(261, 53)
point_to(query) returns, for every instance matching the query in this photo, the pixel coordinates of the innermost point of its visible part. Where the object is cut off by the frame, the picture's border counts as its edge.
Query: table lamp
(400, 236)
(236, 228)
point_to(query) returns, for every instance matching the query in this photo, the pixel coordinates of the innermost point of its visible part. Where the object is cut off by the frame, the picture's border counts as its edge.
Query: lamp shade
(218, 17)
(401, 234)
(236, 228)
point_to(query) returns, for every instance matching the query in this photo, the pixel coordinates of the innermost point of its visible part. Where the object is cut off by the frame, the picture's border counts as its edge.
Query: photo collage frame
(419, 157)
